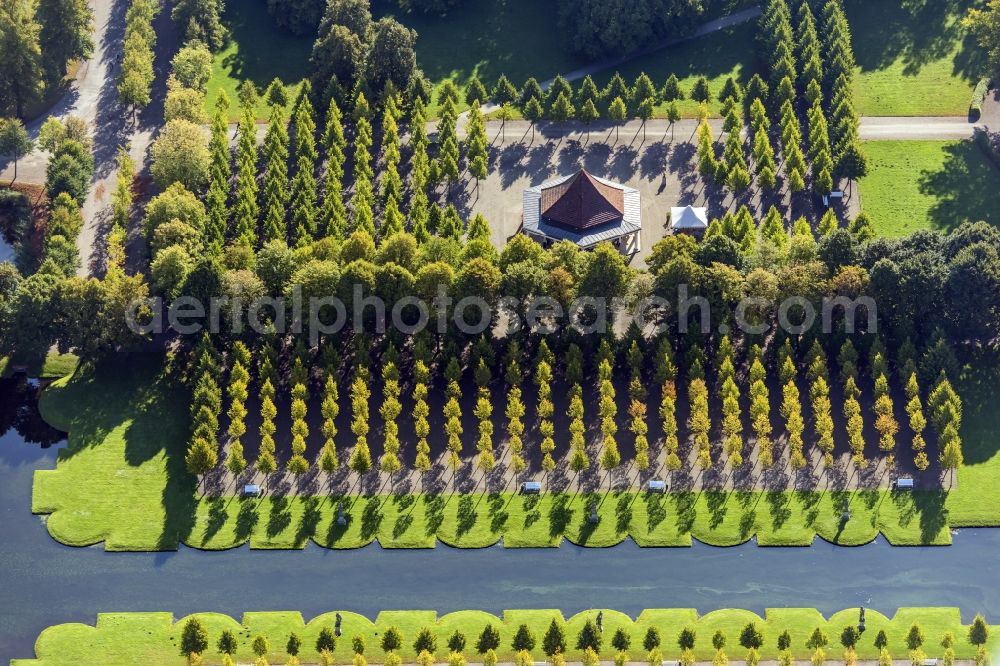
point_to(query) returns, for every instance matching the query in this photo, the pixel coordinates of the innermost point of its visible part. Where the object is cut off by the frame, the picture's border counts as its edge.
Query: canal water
(43, 582)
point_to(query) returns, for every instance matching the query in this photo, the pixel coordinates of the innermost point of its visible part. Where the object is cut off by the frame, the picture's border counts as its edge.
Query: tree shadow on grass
(623, 513)
(217, 516)
(966, 187)
(467, 515)
(560, 516)
(246, 519)
(309, 522)
(279, 518)
(684, 509)
(498, 513)
(258, 39)
(810, 505)
(656, 510)
(434, 511)
(981, 407)
(531, 512)
(926, 507)
(371, 518)
(916, 33)
(778, 506)
(933, 514)
(716, 502)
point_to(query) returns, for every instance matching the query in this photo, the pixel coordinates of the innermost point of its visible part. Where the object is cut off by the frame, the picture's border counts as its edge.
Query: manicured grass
(134, 638)
(127, 425)
(928, 185)
(486, 38)
(118, 464)
(980, 428)
(913, 58)
(729, 52)
(52, 366)
(259, 52)
(482, 37)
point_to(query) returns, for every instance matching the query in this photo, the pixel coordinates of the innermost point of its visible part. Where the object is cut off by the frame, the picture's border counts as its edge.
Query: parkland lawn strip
(938, 185)
(54, 365)
(121, 481)
(126, 639)
(257, 51)
(911, 62)
(914, 59)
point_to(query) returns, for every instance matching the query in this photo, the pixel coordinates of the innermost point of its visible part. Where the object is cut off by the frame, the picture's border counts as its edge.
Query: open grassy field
(486, 38)
(257, 51)
(127, 425)
(52, 366)
(729, 52)
(914, 58)
(146, 638)
(481, 37)
(928, 185)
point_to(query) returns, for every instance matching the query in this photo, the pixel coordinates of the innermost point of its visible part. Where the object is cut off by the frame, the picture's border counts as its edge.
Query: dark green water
(43, 583)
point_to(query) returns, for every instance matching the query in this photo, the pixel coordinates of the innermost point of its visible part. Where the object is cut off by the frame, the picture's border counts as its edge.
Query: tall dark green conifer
(303, 186)
(333, 215)
(246, 209)
(275, 176)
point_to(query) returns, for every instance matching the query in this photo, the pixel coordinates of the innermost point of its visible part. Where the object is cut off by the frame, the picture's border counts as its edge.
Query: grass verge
(915, 185)
(133, 638)
(54, 365)
(914, 59)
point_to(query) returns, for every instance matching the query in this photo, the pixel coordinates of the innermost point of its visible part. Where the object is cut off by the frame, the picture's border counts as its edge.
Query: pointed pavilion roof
(582, 202)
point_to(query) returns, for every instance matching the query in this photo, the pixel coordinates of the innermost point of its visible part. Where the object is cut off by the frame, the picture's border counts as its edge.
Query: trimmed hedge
(979, 94)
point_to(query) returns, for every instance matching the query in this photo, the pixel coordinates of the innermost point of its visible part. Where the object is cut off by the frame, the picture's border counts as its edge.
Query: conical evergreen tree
(247, 209)
(275, 176)
(303, 186)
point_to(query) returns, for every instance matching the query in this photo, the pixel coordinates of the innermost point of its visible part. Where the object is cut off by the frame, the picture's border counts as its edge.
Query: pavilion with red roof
(585, 210)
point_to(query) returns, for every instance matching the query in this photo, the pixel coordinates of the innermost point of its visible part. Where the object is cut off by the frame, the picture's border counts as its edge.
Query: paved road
(93, 97)
(883, 129)
(874, 128)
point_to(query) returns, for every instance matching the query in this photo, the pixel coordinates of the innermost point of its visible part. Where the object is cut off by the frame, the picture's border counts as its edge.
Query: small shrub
(979, 94)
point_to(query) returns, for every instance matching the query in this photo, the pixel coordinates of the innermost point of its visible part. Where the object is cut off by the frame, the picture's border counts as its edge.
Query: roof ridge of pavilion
(580, 192)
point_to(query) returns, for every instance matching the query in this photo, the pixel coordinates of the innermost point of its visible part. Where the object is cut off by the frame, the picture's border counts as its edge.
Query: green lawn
(52, 366)
(981, 448)
(146, 638)
(486, 37)
(913, 58)
(257, 51)
(928, 185)
(127, 425)
(729, 52)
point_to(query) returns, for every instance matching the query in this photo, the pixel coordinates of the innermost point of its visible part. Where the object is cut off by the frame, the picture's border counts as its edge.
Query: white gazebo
(688, 219)
(585, 210)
